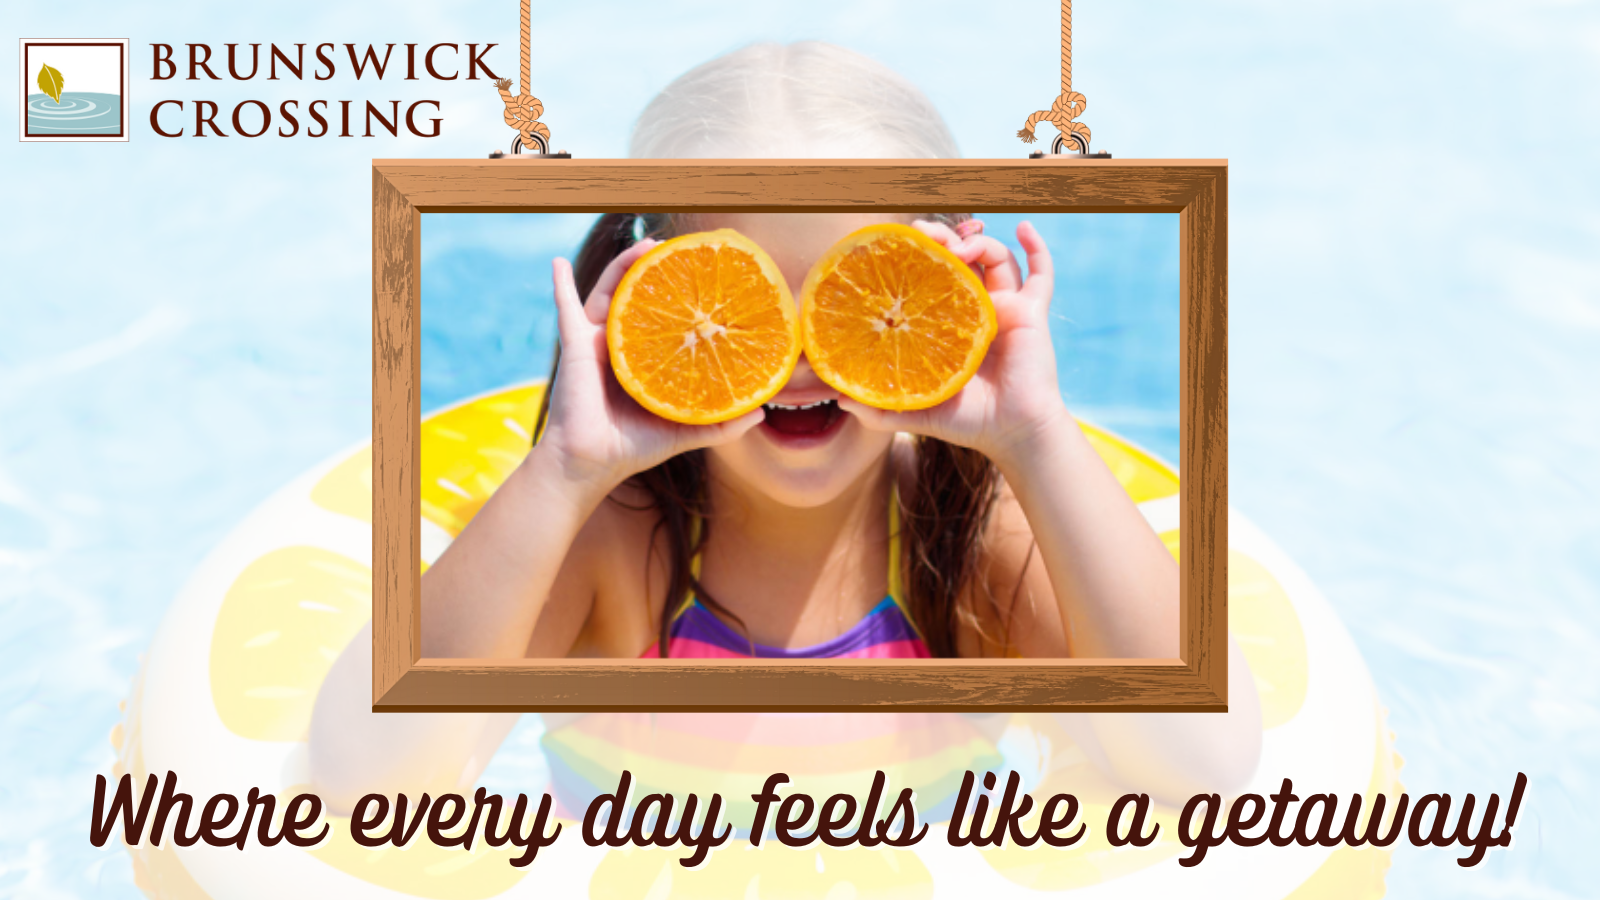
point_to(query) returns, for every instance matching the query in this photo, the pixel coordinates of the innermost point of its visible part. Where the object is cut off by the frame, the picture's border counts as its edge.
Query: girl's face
(800, 457)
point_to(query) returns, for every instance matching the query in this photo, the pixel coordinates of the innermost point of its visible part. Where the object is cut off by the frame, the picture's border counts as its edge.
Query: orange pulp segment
(703, 328)
(895, 320)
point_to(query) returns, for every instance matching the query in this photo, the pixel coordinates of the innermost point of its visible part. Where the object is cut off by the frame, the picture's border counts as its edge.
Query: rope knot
(1068, 106)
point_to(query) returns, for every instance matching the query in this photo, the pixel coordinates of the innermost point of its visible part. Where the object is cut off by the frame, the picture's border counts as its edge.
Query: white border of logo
(22, 106)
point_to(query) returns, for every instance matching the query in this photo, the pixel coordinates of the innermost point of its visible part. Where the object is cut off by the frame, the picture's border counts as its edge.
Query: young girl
(817, 526)
(776, 534)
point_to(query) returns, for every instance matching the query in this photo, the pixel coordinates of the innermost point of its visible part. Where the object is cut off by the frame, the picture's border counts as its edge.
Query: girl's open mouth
(802, 424)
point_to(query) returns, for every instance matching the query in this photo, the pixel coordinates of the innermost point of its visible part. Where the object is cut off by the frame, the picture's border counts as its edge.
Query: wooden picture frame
(402, 190)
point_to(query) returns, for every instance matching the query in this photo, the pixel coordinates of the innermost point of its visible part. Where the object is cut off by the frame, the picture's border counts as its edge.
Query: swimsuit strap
(694, 569)
(897, 589)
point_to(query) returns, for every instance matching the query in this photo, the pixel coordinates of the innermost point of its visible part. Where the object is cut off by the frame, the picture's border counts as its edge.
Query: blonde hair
(807, 100)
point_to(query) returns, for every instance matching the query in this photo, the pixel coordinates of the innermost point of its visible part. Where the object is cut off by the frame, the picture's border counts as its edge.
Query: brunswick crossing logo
(74, 89)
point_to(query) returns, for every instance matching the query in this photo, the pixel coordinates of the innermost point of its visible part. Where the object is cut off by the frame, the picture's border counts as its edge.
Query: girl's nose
(803, 375)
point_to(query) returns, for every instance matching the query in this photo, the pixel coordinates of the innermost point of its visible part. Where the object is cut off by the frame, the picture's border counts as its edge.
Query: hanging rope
(523, 110)
(1070, 104)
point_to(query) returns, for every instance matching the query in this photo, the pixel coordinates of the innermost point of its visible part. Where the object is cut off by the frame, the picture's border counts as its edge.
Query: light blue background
(1415, 337)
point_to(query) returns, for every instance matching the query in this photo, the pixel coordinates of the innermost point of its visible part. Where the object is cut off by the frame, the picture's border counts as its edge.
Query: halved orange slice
(703, 328)
(895, 320)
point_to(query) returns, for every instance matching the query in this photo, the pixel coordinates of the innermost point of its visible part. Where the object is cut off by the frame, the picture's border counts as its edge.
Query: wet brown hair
(944, 516)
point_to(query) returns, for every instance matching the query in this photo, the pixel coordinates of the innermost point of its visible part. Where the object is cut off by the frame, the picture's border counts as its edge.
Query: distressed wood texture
(403, 189)
(396, 435)
(1042, 185)
(1203, 433)
(800, 686)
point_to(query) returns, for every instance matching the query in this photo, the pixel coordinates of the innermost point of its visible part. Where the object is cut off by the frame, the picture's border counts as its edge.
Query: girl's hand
(1014, 395)
(600, 435)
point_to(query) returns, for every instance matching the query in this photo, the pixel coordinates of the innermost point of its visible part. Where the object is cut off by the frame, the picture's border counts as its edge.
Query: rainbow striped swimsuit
(886, 632)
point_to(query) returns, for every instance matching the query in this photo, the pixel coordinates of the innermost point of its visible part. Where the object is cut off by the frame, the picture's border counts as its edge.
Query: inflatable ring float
(225, 696)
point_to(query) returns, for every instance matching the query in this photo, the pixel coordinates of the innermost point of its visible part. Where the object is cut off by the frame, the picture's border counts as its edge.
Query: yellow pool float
(225, 695)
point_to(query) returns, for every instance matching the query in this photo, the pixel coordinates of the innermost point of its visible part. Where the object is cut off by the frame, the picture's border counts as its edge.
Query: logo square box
(73, 89)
